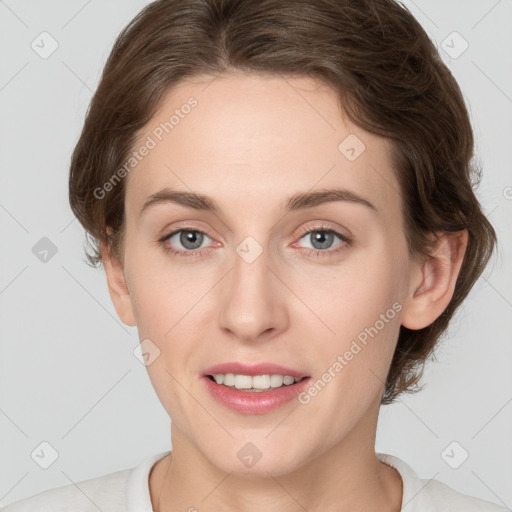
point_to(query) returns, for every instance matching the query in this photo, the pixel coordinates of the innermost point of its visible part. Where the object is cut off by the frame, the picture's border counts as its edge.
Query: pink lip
(254, 402)
(253, 369)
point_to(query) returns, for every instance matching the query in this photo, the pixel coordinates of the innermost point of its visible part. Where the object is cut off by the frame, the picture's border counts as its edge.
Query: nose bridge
(252, 302)
(251, 264)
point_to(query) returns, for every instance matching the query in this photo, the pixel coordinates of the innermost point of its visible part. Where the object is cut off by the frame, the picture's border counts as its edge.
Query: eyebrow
(299, 201)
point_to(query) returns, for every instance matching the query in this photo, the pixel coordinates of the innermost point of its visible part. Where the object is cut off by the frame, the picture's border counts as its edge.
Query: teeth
(256, 382)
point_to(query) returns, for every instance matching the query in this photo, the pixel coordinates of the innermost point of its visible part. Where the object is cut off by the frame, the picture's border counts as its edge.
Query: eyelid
(169, 234)
(323, 227)
(346, 240)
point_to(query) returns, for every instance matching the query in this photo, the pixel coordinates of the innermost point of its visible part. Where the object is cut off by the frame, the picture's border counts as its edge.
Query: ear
(117, 286)
(434, 281)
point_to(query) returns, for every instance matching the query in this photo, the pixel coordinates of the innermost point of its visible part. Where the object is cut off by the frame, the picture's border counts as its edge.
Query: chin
(257, 459)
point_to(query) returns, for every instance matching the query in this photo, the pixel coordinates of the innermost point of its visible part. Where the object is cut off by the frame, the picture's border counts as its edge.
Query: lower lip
(255, 402)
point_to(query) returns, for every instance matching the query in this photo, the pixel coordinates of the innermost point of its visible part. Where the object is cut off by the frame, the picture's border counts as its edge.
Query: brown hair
(388, 76)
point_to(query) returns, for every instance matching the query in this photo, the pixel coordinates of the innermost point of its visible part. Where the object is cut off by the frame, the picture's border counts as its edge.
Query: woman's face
(256, 288)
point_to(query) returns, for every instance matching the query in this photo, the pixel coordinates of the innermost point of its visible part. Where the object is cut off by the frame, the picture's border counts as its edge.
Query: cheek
(167, 318)
(351, 365)
(361, 309)
(349, 299)
(160, 293)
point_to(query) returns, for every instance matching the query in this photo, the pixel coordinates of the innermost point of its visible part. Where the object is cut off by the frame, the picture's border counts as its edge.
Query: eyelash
(346, 241)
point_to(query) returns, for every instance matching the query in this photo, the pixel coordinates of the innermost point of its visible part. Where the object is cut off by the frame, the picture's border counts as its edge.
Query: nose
(253, 299)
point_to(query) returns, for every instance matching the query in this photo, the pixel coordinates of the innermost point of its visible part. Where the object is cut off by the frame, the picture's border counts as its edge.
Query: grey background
(68, 373)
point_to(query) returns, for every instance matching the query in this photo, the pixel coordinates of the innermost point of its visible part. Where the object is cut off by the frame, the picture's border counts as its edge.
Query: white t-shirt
(128, 491)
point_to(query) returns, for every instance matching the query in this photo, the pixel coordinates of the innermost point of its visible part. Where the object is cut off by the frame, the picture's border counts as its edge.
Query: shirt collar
(415, 496)
(138, 498)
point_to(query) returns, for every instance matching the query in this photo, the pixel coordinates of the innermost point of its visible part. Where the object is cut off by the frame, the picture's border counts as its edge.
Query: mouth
(253, 392)
(256, 377)
(255, 383)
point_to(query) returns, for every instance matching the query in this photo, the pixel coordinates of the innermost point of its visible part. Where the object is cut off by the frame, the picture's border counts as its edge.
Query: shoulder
(107, 492)
(444, 497)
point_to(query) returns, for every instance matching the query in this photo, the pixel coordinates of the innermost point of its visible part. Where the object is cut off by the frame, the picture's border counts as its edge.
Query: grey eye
(190, 240)
(321, 239)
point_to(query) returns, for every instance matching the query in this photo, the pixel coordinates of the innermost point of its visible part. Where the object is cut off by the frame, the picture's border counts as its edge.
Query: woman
(284, 210)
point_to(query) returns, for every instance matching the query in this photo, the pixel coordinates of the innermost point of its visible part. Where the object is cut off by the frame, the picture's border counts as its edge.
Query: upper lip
(253, 369)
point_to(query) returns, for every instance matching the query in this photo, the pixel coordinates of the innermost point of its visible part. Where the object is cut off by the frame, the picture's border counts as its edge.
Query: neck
(347, 476)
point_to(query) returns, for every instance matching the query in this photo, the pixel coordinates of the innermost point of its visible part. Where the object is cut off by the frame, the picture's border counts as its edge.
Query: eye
(322, 239)
(190, 239)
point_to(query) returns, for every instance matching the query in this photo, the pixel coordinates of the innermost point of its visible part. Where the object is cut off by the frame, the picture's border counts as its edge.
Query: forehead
(254, 140)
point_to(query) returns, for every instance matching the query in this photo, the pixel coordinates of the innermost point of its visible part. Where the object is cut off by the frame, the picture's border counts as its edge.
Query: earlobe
(117, 287)
(434, 281)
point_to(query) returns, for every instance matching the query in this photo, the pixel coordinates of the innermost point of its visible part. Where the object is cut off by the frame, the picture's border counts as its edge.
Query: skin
(250, 143)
